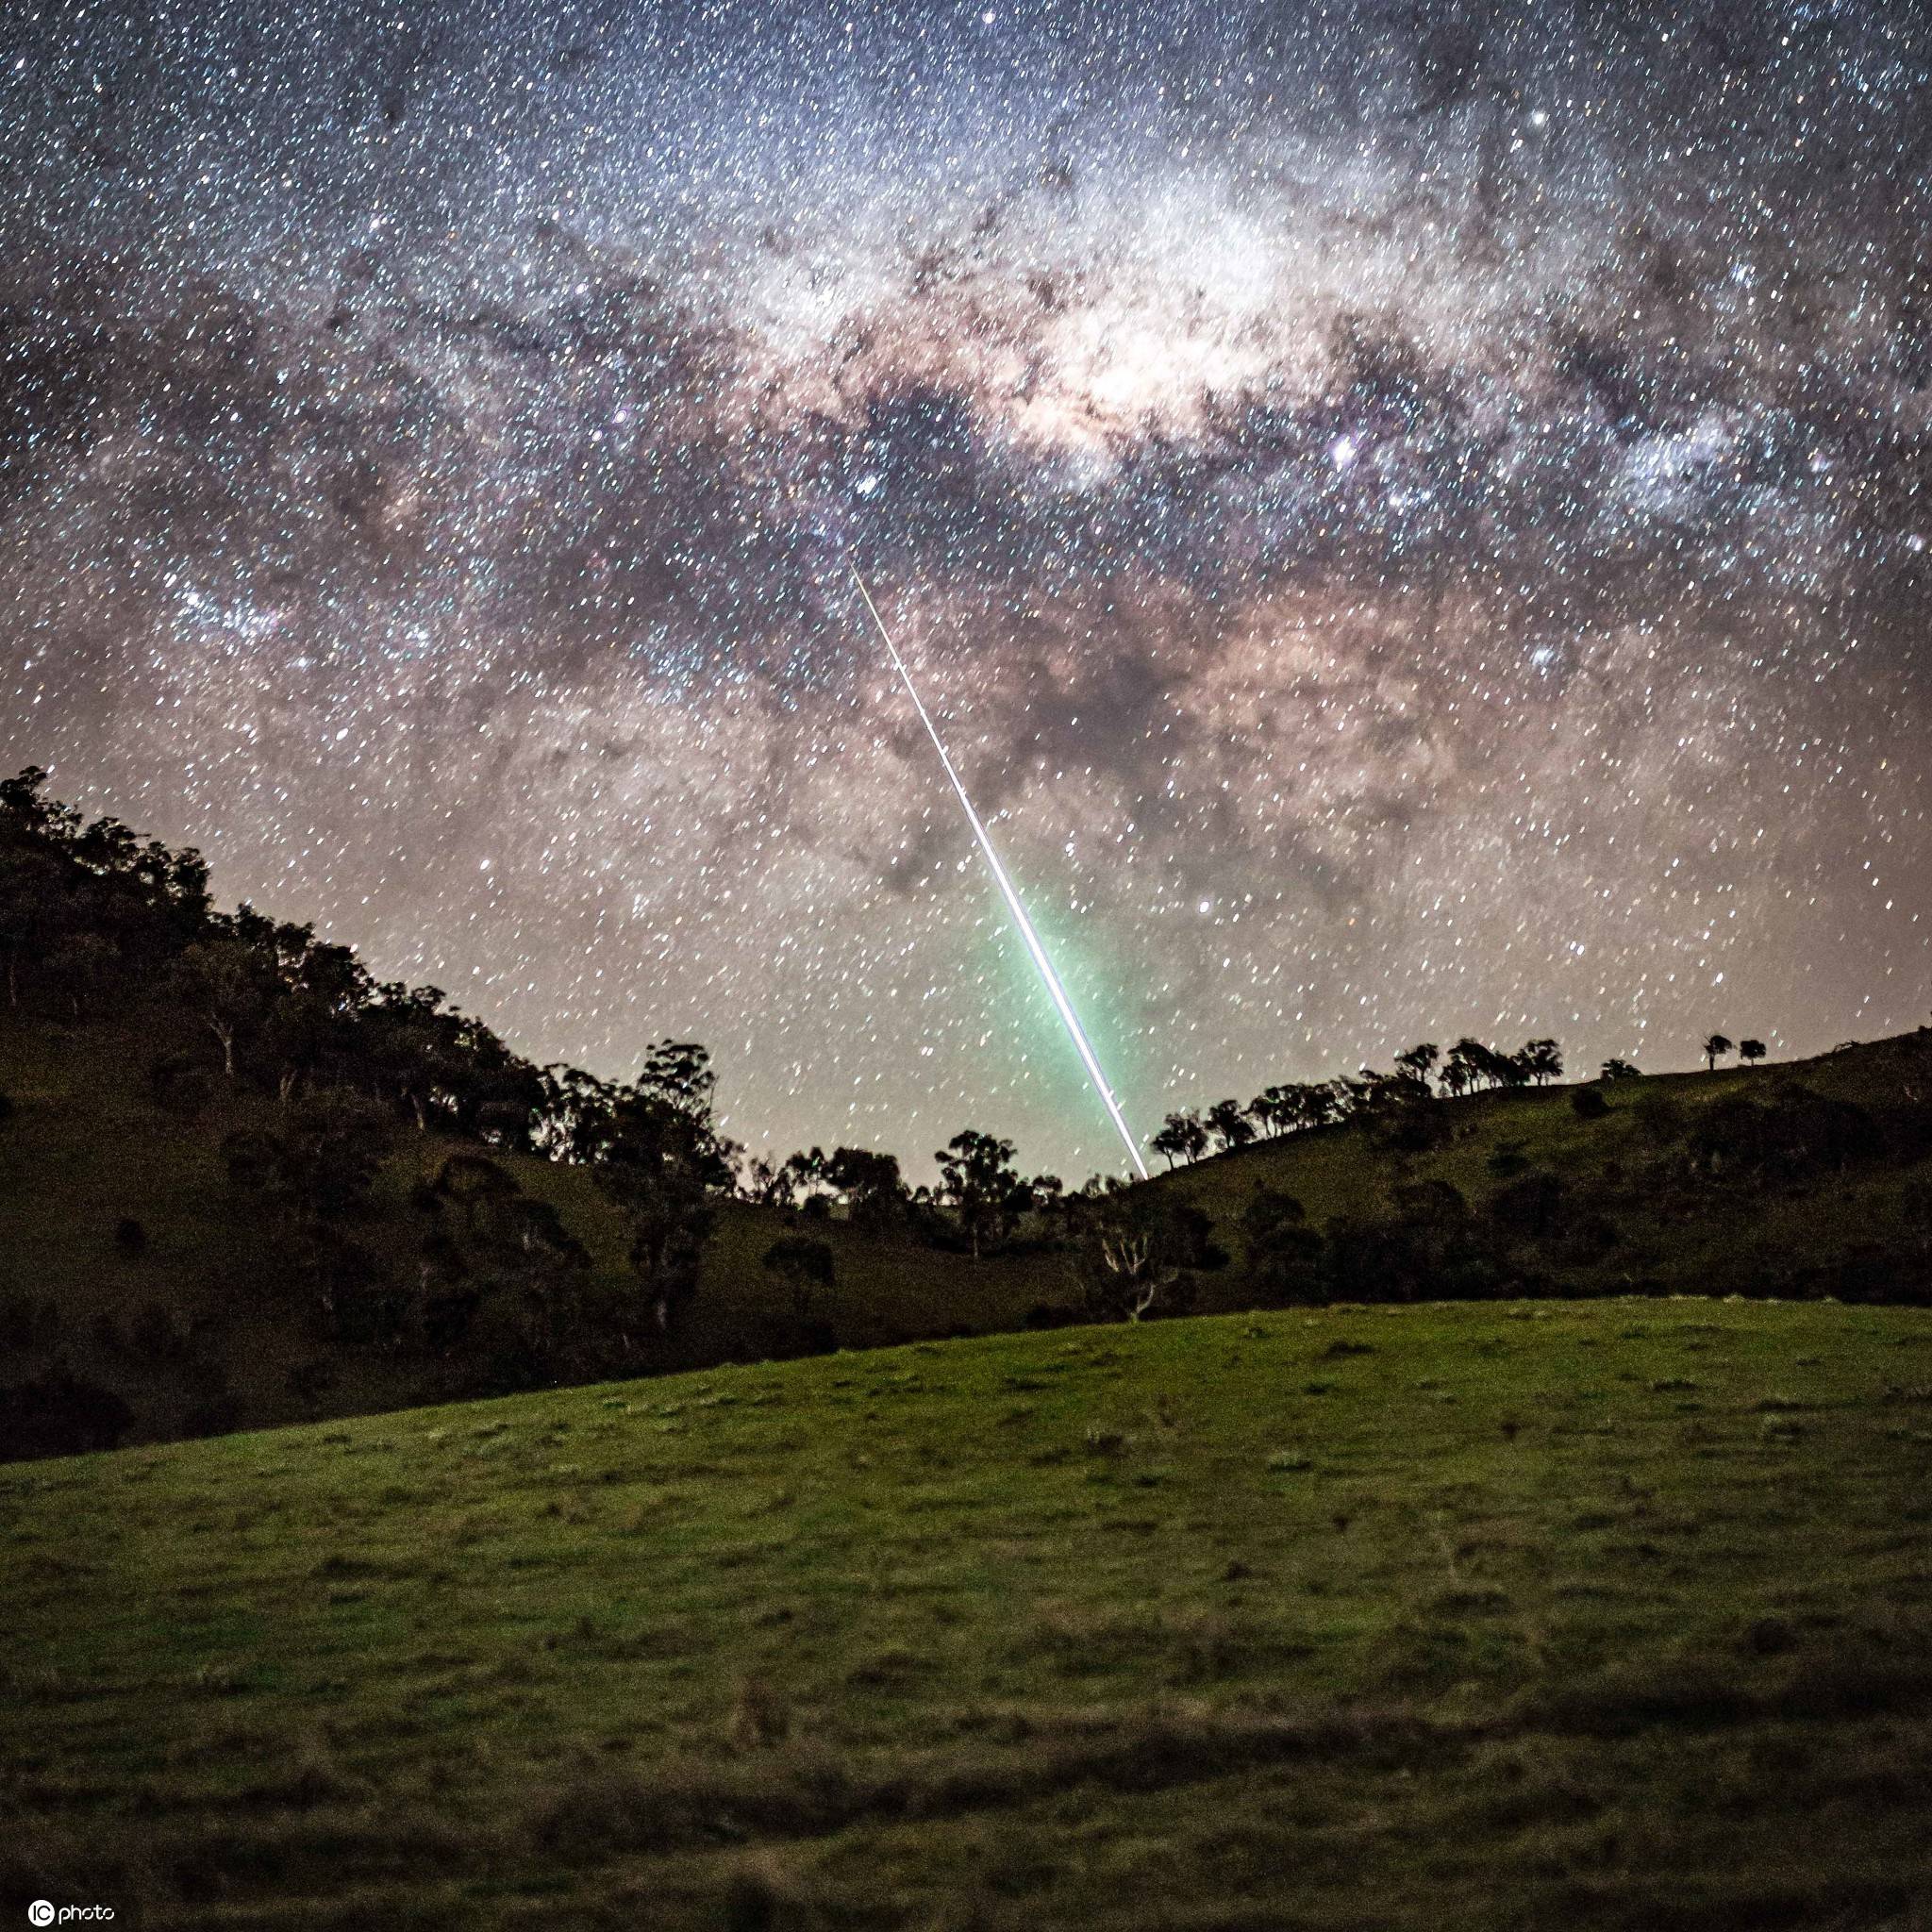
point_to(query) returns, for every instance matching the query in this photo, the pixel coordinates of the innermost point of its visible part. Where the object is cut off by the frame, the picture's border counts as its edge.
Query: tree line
(321, 1066)
(1397, 1098)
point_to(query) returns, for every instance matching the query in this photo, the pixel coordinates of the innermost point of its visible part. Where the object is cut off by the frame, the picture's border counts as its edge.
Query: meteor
(1049, 979)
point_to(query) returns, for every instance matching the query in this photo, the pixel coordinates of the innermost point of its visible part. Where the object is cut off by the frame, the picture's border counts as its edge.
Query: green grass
(1523, 1616)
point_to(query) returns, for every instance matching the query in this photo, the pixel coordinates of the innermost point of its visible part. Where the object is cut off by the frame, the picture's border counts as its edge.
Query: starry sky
(1414, 519)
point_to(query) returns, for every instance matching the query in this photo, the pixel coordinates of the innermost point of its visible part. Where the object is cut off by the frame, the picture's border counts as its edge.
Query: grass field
(1613, 1614)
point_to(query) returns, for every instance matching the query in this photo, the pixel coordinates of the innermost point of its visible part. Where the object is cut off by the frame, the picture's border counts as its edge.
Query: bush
(26, 1322)
(1410, 1127)
(1797, 1133)
(154, 1333)
(1507, 1159)
(309, 1381)
(1529, 1205)
(252, 1160)
(1587, 1104)
(216, 1415)
(58, 1414)
(179, 1084)
(129, 1236)
(1051, 1315)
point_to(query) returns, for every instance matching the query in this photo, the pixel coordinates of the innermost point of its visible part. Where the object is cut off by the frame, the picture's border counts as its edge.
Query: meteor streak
(1049, 979)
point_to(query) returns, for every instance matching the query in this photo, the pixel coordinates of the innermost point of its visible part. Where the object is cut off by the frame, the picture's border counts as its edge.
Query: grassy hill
(1499, 1616)
(1676, 1230)
(87, 1146)
(195, 1328)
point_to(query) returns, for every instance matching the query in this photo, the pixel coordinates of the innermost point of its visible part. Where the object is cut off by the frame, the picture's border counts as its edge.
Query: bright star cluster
(1412, 518)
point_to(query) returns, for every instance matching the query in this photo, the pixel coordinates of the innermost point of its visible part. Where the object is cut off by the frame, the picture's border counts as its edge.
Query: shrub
(309, 1381)
(448, 1315)
(804, 1265)
(178, 1083)
(1529, 1205)
(216, 1415)
(25, 1323)
(1587, 1104)
(1507, 1159)
(154, 1333)
(130, 1236)
(1051, 1315)
(1796, 1134)
(252, 1160)
(58, 1414)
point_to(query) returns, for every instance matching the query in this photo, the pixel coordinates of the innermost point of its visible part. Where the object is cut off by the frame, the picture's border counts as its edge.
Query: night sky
(1414, 519)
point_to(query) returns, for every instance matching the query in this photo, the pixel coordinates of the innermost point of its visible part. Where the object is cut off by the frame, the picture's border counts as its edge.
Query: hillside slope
(200, 1329)
(1640, 1203)
(197, 1328)
(1610, 1614)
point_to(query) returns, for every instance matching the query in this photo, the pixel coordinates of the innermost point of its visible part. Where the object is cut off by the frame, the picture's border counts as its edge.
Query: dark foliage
(1529, 1206)
(804, 1265)
(55, 1413)
(1792, 1134)
(1137, 1254)
(1281, 1250)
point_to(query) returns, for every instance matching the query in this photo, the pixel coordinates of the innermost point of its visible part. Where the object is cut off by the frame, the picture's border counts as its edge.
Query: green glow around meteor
(1049, 979)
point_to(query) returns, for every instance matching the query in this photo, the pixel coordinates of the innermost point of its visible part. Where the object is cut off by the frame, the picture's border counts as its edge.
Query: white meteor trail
(1048, 976)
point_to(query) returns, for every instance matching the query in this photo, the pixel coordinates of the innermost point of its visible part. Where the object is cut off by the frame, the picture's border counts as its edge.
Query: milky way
(1415, 520)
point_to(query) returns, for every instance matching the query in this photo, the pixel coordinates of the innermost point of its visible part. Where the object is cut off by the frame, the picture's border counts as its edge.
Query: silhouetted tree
(1542, 1060)
(1619, 1070)
(766, 1183)
(1468, 1065)
(1714, 1048)
(978, 1182)
(1137, 1252)
(1280, 1249)
(805, 1177)
(802, 1265)
(227, 985)
(1295, 1108)
(1227, 1122)
(659, 1159)
(1182, 1137)
(1420, 1061)
(572, 1112)
(873, 1188)
(1750, 1051)
(1053, 1202)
